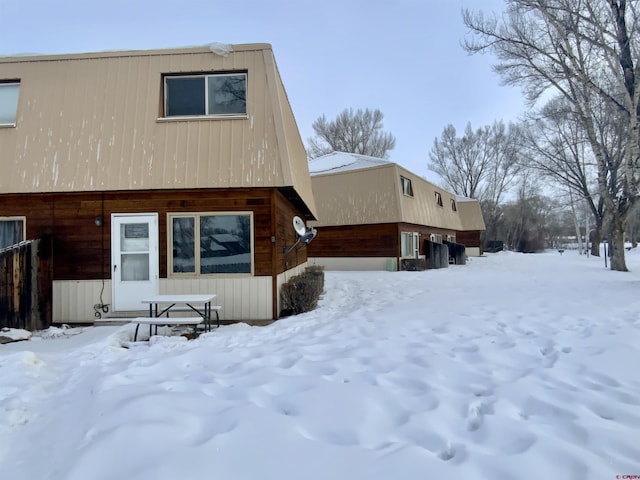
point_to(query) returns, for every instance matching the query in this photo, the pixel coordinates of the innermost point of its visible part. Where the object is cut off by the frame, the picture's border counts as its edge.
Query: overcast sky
(402, 57)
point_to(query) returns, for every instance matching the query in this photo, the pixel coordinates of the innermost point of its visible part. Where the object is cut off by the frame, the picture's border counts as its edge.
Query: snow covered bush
(301, 293)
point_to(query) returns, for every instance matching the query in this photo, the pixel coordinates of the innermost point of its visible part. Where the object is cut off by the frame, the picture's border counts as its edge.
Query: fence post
(44, 284)
(26, 281)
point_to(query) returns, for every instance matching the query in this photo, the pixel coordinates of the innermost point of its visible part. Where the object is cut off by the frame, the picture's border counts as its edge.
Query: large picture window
(211, 243)
(9, 92)
(12, 231)
(205, 95)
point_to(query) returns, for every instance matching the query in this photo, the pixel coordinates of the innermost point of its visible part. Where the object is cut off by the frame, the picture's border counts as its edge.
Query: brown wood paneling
(82, 250)
(286, 236)
(380, 240)
(469, 239)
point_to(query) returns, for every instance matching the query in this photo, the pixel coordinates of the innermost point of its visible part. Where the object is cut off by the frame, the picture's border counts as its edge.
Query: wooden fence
(457, 253)
(436, 254)
(26, 282)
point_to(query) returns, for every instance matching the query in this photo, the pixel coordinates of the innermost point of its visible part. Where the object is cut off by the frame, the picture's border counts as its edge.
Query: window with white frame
(407, 188)
(409, 244)
(205, 95)
(12, 231)
(9, 92)
(210, 243)
(453, 205)
(438, 199)
(436, 237)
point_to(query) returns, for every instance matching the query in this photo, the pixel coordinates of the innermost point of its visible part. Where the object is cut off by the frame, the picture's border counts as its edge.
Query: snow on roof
(343, 162)
(460, 198)
(218, 48)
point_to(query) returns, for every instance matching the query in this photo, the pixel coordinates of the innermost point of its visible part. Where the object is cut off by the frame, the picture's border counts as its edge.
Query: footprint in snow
(452, 453)
(475, 413)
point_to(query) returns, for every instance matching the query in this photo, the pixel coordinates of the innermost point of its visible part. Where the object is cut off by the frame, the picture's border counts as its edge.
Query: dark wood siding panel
(469, 239)
(286, 235)
(77, 251)
(82, 250)
(379, 240)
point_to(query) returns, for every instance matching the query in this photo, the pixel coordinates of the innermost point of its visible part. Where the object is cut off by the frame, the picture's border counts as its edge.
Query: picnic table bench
(162, 304)
(178, 321)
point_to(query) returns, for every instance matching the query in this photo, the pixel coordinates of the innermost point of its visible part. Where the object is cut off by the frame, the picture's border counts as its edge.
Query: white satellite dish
(299, 226)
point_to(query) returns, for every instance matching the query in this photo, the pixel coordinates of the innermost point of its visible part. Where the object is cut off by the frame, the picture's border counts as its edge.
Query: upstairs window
(453, 205)
(9, 91)
(439, 199)
(223, 94)
(407, 189)
(11, 231)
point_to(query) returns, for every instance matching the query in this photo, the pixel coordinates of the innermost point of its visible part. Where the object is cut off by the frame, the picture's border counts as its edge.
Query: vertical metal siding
(373, 195)
(422, 209)
(246, 298)
(356, 197)
(91, 123)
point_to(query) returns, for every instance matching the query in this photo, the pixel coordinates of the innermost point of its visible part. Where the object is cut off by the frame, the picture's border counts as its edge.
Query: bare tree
(352, 132)
(481, 164)
(587, 51)
(528, 221)
(462, 162)
(555, 143)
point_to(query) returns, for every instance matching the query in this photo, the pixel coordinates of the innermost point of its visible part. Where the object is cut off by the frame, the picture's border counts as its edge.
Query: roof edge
(242, 47)
(326, 173)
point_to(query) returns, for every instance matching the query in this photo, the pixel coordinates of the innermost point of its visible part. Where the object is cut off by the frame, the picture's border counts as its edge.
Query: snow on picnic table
(513, 366)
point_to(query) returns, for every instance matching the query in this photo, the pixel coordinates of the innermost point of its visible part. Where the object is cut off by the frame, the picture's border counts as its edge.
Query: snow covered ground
(511, 367)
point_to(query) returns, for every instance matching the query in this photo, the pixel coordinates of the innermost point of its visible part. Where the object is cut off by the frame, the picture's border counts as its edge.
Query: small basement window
(12, 231)
(407, 188)
(205, 95)
(9, 92)
(438, 199)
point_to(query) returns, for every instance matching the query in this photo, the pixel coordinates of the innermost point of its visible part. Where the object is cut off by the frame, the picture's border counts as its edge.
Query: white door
(134, 259)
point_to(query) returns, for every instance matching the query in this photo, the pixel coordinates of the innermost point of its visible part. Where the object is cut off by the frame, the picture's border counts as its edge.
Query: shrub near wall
(301, 293)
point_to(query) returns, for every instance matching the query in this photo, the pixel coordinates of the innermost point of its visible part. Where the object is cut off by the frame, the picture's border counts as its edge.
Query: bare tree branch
(352, 132)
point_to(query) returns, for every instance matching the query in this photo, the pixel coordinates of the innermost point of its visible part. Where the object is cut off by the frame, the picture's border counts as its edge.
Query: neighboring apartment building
(168, 171)
(372, 213)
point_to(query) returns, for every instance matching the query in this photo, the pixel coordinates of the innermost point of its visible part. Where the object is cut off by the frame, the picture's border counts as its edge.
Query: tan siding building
(372, 213)
(191, 136)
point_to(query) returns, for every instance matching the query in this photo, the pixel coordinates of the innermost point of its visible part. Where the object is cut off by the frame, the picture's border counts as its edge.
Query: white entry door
(134, 259)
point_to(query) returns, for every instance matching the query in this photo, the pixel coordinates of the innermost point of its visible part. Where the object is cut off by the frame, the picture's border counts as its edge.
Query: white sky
(514, 366)
(403, 57)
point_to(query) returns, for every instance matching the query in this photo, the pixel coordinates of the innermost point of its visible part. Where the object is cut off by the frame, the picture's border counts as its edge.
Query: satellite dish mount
(304, 235)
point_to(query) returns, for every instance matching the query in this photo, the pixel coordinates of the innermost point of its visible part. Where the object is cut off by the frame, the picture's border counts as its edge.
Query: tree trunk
(617, 244)
(576, 224)
(596, 237)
